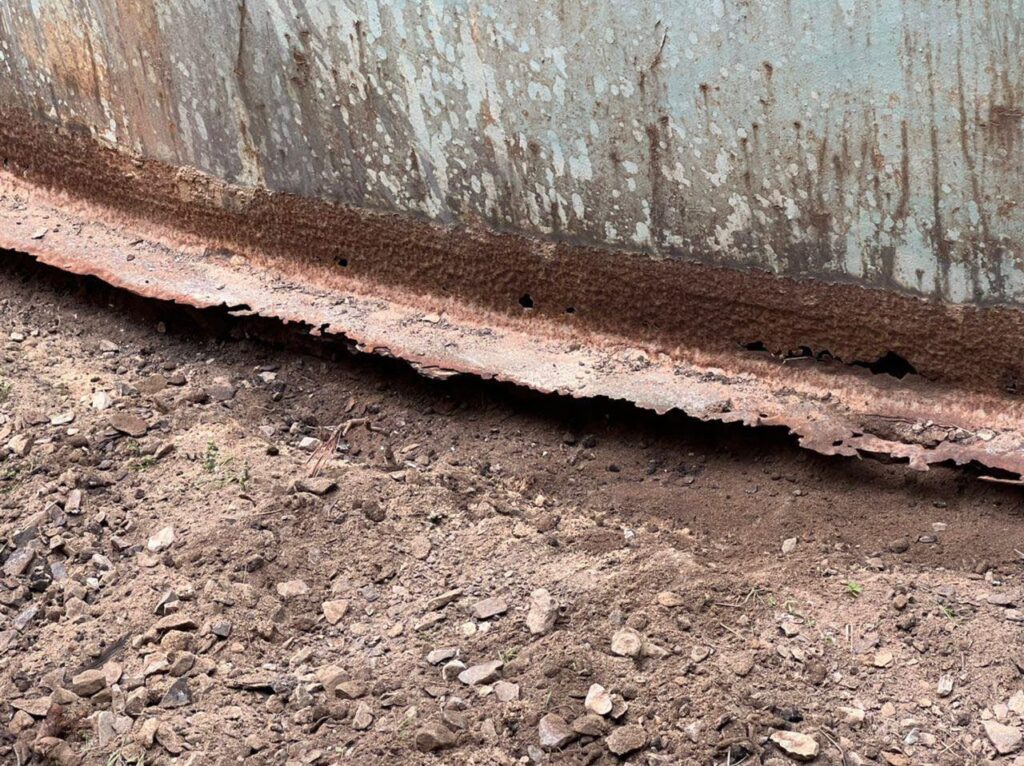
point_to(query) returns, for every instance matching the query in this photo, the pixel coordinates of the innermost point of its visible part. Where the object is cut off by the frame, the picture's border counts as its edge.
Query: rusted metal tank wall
(878, 142)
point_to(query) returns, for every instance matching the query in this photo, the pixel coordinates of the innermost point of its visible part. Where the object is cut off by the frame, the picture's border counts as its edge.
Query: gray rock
(543, 612)
(626, 739)
(554, 732)
(363, 718)
(1006, 739)
(489, 607)
(88, 682)
(437, 656)
(484, 673)
(432, 737)
(627, 643)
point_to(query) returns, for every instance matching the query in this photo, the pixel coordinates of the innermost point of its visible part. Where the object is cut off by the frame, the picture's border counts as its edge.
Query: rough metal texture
(833, 409)
(878, 142)
(594, 198)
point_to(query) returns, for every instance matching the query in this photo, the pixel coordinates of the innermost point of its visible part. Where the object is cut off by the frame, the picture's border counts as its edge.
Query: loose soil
(171, 593)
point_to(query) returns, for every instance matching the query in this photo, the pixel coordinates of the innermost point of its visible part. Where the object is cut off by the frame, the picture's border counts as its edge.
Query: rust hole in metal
(890, 363)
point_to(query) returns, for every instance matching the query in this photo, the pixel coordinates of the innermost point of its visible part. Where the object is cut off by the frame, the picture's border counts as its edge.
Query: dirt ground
(474, 575)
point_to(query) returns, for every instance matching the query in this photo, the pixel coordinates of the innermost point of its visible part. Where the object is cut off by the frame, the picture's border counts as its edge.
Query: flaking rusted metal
(597, 198)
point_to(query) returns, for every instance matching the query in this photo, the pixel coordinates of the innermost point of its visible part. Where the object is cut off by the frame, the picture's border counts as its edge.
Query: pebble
(590, 725)
(1006, 739)
(852, 716)
(313, 486)
(489, 607)
(626, 739)
(292, 588)
(419, 547)
(598, 700)
(334, 611)
(437, 656)
(669, 599)
(373, 511)
(88, 682)
(543, 613)
(484, 673)
(883, 659)
(789, 546)
(161, 541)
(363, 718)
(627, 643)
(179, 695)
(506, 691)
(554, 733)
(802, 747)
(131, 425)
(945, 686)
(452, 670)
(742, 664)
(432, 737)
(1016, 703)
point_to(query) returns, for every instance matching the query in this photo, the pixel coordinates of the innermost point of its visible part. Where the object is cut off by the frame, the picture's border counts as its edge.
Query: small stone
(1003, 598)
(452, 670)
(161, 541)
(363, 718)
(489, 607)
(852, 716)
(432, 737)
(484, 673)
(131, 425)
(101, 400)
(543, 612)
(21, 444)
(419, 547)
(598, 700)
(626, 739)
(334, 611)
(308, 443)
(350, 690)
(373, 511)
(700, 653)
(506, 691)
(88, 682)
(437, 656)
(945, 686)
(742, 664)
(440, 602)
(1016, 703)
(1006, 739)
(590, 725)
(179, 695)
(669, 599)
(554, 732)
(19, 561)
(317, 487)
(292, 589)
(802, 747)
(627, 643)
(883, 659)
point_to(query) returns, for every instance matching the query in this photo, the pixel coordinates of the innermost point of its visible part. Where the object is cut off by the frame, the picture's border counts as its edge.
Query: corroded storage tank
(600, 198)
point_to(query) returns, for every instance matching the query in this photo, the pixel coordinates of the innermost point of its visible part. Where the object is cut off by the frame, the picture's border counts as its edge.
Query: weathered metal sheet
(601, 198)
(872, 140)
